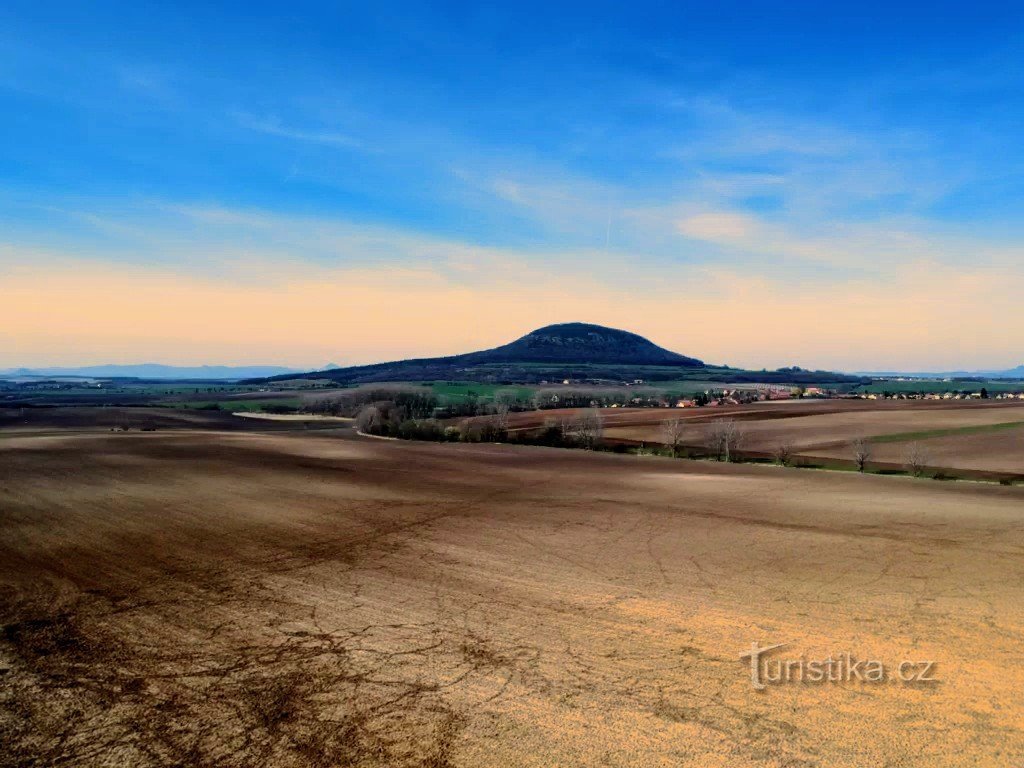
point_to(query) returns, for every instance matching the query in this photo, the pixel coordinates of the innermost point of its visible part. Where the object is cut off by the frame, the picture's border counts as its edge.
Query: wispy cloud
(878, 247)
(248, 285)
(272, 126)
(725, 130)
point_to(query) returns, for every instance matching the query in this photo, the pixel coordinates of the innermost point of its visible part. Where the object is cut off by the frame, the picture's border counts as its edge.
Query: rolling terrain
(983, 436)
(204, 597)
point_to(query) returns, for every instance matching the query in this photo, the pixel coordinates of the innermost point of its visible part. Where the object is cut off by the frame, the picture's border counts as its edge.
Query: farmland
(983, 436)
(997, 448)
(211, 597)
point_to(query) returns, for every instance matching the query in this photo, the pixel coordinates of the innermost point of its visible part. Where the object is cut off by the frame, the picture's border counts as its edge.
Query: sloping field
(652, 417)
(62, 420)
(994, 450)
(236, 599)
(983, 436)
(768, 426)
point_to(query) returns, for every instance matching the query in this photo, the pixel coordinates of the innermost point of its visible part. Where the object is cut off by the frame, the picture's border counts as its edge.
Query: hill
(581, 343)
(577, 351)
(554, 351)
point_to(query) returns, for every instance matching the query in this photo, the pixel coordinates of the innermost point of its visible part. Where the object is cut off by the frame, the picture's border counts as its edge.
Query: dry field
(63, 421)
(317, 599)
(999, 450)
(805, 428)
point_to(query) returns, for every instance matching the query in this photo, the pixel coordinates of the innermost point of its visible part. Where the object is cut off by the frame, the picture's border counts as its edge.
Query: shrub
(425, 429)
(279, 409)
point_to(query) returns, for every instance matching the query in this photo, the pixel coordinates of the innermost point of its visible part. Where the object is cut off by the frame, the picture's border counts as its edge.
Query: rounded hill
(581, 343)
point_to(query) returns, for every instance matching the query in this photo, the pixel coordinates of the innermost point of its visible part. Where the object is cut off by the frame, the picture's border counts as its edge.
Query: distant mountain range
(1009, 373)
(575, 351)
(153, 371)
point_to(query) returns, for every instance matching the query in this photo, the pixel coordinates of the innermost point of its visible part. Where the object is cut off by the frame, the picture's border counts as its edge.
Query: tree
(495, 429)
(369, 419)
(916, 458)
(714, 440)
(553, 432)
(507, 397)
(586, 428)
(783, 453)
(672, 431)
(500, 418)
(469, 431)
(861, 452)
(723, 438)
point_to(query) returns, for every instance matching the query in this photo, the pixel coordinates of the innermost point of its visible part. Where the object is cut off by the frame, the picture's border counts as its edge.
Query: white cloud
(272, 126)
(247, 286)
(720, 227)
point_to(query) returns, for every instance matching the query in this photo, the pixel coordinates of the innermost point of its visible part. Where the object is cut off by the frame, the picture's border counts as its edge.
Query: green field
(462, 390)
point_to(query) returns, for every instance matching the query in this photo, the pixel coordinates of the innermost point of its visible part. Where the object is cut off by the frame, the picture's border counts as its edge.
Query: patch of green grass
(464, 390)
(900, 437)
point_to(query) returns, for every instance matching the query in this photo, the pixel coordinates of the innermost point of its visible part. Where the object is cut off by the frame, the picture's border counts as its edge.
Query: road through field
(295, 599)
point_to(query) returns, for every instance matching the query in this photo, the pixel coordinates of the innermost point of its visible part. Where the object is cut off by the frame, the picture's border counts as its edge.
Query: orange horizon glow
(93, 312)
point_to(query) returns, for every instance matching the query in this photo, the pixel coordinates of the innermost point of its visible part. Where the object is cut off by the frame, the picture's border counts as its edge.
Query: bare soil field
(999, 450)
(60, 420)
(651, 417)
(317, 599)
(825, 428)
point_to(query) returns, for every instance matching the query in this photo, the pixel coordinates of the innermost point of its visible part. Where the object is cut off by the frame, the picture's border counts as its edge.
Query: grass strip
(899, 437)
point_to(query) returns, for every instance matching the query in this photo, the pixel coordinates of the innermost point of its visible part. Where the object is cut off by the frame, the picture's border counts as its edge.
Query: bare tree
(587, 428)
(500, 418)
(861, 452)
(369, 418)
(723, 437)
(672, 431)
(714, 439)
(508, 397)
(469, 431)
(916, 458)
(736, 437)
(783, 453)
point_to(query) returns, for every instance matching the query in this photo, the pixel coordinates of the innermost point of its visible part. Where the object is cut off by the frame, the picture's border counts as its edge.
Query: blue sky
(753, 183)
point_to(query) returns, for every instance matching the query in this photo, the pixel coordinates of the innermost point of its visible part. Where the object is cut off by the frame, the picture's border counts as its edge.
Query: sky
(756, 184)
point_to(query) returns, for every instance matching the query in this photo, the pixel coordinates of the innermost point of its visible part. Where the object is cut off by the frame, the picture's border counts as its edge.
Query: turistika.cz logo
(766, 669)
